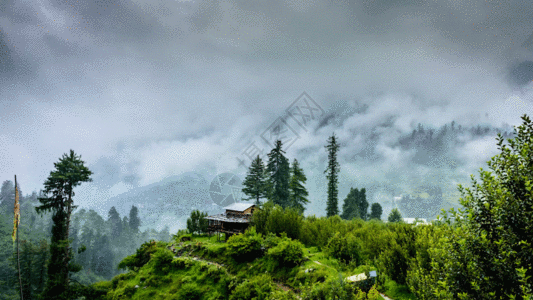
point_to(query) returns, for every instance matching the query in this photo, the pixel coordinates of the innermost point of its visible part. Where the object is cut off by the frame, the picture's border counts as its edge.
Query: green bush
(274, 219)
(180, 263)
(258, 287)
(345, 248)
(162, 259)
(282, 295)
(314, 277)
(288, 253)
(189, 291)
(245, 246)
(141, 257)
(271, 240)
(394, 262)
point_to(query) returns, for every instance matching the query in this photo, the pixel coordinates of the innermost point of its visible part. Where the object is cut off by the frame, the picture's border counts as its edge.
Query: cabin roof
(239, 206)
(222, 217)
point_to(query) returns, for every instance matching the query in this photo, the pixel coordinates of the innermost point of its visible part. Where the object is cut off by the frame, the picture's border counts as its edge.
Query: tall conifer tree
(350, 209)
(332, 173)
(255, 182)
(70, 172)
(278, 171)
(298, 193)
(362, 204)
(115, 223)
(135, 222)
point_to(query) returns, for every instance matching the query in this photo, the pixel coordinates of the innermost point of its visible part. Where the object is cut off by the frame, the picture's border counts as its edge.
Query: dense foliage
(197, 223)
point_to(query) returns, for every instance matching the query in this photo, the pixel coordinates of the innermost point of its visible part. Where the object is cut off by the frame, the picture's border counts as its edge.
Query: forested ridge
(481, 251)
(106, 241)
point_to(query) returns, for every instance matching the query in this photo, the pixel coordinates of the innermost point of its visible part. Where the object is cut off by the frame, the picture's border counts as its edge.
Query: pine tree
(7, 196)
(297, 191)
(102, 257)
(362, 204)
(135, 222)
(255, 182)
(115, 223)
(125, 224)
(376, 211)
(278, 171)
(28, 279)
(350, 209)
(332, 172)
(70, 172)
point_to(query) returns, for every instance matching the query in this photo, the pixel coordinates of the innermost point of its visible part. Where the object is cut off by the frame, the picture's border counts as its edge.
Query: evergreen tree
(197, 222)
(255, 183)
(41, 263)
(115, 223)
(350, 209)
(7, 197)
(395, 216)
(70, 172)
(87, 241)
(135, 222)
(376, 211)
(332, 172)
(362, 204)
(297, 191)
(125, 224)
(164, 235)
(278, 171)
(28, 252)
(102, 257)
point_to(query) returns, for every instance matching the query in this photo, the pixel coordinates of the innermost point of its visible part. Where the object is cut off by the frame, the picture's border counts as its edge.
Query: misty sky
(146, 89)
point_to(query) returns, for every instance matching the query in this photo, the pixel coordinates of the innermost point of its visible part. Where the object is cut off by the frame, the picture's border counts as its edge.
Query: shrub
(245, 246)
(180, 263)
(162, 259)
(141, 257)
(271, 240)
(258, 287)
(288, 253)
(345, 248)
(394, 262)
(282, 295)
(189, 291)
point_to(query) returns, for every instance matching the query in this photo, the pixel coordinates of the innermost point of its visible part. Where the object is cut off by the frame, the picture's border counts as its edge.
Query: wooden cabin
(234, 221)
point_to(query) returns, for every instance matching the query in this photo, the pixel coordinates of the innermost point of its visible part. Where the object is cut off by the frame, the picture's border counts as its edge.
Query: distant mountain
(165, 202)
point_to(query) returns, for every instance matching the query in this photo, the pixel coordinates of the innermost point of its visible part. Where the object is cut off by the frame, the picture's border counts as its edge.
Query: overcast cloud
(147, 89)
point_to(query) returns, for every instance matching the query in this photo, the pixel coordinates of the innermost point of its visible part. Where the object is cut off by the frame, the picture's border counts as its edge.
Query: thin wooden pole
(18, 254)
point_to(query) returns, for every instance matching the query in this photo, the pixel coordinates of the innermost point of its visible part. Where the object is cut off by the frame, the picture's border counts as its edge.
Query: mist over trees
(88, 230)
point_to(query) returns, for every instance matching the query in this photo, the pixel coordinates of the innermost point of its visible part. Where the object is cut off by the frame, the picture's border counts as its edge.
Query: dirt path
(316, 261)
(385, 297)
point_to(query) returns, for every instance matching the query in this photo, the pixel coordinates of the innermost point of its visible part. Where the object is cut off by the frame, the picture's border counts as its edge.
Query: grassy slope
(211, 281)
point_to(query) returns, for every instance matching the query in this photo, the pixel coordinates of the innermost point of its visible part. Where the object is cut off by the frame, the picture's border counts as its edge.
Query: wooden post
(18, 254)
